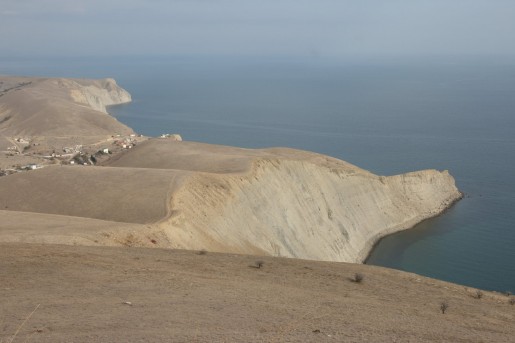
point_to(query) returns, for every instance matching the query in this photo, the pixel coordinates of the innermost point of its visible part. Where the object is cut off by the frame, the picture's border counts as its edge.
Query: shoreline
(378, 241)
(362, 257)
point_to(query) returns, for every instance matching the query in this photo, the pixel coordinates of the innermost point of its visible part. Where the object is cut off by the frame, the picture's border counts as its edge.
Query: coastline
(408, 227)
(374, 241)
(465, 154)
(66, 225)
(342, 203)
(370, 245)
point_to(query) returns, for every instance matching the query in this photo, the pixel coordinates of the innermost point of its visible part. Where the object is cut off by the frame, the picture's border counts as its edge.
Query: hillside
(102, 294)
(46, 121)
(59, 107)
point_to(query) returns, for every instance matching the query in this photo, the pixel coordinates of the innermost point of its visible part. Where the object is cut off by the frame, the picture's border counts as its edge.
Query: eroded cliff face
(300, 209)
(99, 93)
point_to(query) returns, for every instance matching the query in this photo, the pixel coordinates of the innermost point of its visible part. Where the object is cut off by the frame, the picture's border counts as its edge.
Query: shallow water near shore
(388, 117)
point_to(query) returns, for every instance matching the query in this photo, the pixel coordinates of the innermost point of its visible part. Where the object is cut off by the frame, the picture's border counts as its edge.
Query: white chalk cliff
(286, 202)
(299, 209)
(98, 94)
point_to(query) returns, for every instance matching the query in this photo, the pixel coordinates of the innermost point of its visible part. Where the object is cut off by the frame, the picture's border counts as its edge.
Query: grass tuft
(258, 264)
(444, 306)
(357, 278)
(478, 294)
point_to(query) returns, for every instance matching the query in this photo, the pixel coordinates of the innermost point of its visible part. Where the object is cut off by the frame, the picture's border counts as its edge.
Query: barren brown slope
(212, 158)
(31, 227)
(59, 107)
(103, 294)
(129, 195)
(190, 156)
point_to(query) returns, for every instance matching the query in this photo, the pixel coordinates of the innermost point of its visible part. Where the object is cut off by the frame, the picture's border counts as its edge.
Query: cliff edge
(98, 94)
(286, 202)
(303, 210)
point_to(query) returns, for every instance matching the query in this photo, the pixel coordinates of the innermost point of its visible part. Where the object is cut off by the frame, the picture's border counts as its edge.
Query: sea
(388, 115)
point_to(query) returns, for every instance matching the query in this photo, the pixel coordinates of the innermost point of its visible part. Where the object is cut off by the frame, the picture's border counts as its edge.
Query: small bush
(511, 301)
(258, 264)
(357, 278)
(202, 252)
(444, 306)
(478, 294)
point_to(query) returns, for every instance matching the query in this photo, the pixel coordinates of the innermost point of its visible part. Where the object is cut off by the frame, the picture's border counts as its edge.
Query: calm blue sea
(388, 116)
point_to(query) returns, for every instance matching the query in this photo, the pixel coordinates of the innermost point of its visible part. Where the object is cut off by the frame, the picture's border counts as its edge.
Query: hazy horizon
(325, 28)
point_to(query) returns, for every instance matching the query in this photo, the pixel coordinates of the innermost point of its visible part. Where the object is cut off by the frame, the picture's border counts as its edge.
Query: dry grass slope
(127, 195)
(102, 294)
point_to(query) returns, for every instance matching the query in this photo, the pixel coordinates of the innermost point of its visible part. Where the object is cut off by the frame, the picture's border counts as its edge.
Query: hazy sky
(257, 27)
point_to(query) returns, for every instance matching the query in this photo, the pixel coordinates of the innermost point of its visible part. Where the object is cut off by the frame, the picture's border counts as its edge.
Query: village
(31, 153)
